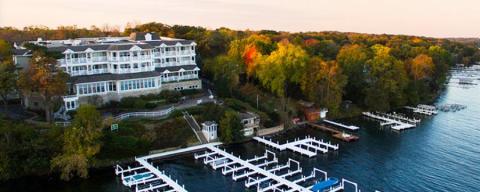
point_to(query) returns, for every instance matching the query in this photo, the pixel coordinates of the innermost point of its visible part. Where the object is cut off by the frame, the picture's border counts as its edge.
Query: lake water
(441, 154)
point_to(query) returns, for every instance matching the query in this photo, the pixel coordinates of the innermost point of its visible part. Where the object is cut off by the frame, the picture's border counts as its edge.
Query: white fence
(63, 123)
(151, 114)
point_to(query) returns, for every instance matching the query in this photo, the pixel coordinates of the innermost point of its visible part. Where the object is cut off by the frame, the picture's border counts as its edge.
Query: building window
(91, 88)
(137, 84)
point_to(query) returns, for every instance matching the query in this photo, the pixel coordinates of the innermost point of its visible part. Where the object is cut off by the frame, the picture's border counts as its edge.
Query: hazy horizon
(432, 18)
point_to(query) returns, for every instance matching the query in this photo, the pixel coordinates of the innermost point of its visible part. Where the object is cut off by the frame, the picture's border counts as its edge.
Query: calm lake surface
(441, 154)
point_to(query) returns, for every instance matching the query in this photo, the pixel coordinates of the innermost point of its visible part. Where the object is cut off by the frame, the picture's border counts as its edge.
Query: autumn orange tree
(421, 67)
(42, 78)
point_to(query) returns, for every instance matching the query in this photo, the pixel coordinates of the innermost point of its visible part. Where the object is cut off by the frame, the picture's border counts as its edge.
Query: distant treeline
(378, 72)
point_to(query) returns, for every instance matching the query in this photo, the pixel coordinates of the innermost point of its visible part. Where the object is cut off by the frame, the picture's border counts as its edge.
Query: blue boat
(135, 178)
(321, 186)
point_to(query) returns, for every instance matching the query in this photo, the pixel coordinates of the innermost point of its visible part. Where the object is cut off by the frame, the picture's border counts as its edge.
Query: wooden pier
(335, 133)
(308, 146)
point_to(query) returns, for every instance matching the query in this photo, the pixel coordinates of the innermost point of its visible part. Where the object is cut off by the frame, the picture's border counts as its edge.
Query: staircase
(61, 114)
(195, 127)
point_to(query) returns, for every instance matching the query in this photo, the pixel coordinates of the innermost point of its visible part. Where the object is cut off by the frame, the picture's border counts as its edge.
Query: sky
(434, 18)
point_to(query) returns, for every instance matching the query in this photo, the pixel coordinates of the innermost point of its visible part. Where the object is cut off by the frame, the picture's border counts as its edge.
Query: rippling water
(441, 154)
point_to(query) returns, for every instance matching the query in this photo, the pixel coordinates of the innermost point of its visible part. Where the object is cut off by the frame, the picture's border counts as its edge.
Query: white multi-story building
(115, 68)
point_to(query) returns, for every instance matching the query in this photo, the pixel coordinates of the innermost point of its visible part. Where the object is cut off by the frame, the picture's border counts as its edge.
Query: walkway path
(195, 127)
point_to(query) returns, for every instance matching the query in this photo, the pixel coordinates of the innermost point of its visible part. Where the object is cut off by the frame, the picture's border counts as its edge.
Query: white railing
(99, 59)
(87, 72)
(151, 114)
(63, 123)
(185, 52)
(169, 79)
(169, 53)
(186, 62)
(128, 58)
(186, 77)
(141, 69)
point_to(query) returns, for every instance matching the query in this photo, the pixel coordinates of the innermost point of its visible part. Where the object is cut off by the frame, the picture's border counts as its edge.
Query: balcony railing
(82, 60)
(142, 69)
(87, 72)
(179, 78)
(126, 59)
(186, 52)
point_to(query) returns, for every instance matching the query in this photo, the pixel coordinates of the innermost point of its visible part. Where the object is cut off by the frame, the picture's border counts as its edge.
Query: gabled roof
(21, 52)
(140, 36)
(100, 47)
(247, 115)
(177, 68)
(120, 47)
(209, 123)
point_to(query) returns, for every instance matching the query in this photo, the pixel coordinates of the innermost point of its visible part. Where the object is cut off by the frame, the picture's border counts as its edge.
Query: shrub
(170, 96)
(187, 92)
(139, 103)
(150, 105)
(128, 102)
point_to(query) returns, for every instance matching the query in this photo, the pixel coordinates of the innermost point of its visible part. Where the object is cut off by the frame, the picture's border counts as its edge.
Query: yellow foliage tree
(421, 67)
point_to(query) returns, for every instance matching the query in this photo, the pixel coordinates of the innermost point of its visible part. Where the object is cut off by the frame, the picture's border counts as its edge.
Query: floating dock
(265, 173)
(400, 117)
(308, 146)
(147, 178)
(335, 133)
(157, 180)
(350, 127)
(424, 109)
(388, 120)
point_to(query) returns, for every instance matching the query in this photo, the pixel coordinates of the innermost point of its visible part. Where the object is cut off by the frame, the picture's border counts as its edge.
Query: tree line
(377, 72)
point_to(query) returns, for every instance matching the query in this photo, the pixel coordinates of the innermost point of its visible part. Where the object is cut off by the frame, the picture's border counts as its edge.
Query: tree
(42, 78)
(284, 65)
(230, 127)
(323, 83)
(225, 73)
(442, 60)
(249, 51)
(81, 143)
(421, 67)
(352, 60)
(386, 80)
(8, 79)
(5, 50)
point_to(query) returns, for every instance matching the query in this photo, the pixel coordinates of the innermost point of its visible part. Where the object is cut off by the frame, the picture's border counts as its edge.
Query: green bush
(170, 96)
(150, 105)
(187, 92)
(128, 102)
(139, 103)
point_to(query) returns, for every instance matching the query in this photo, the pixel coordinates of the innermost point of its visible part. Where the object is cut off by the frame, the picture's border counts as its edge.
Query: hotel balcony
(128, 59)
(138, 70)
(82, 60)
(179, 78)
(88, 72)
